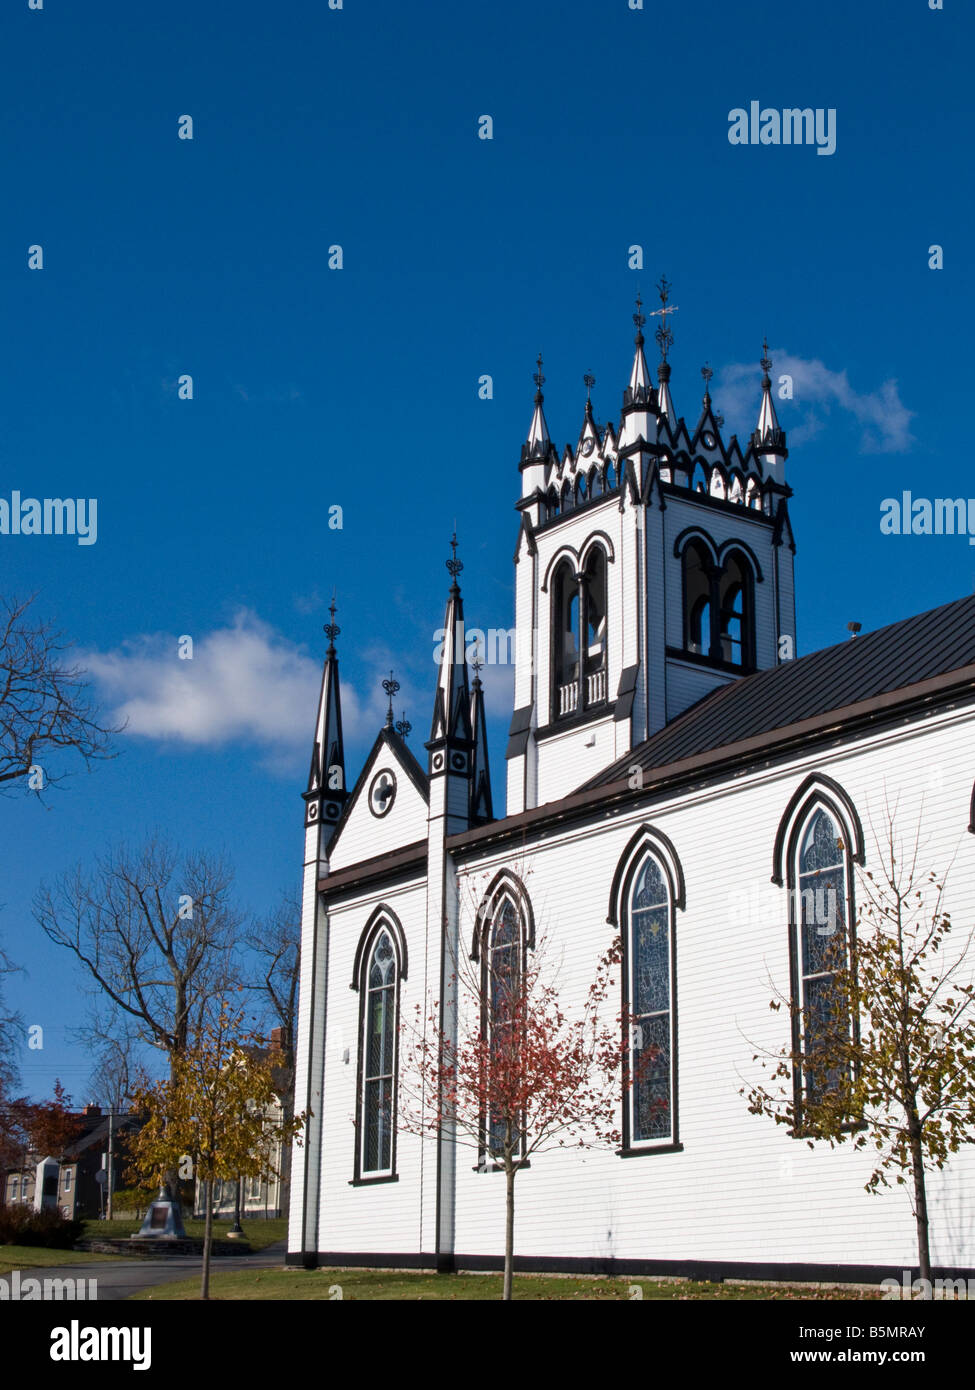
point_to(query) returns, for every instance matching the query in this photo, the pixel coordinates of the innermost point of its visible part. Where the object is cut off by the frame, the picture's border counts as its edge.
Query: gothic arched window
(380, 965)
(502, 986)
(649, 972)
(822, 917)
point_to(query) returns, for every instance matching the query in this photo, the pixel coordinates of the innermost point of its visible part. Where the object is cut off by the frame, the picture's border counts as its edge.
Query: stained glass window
(379, 1058)
(651, 1042)
(821, 923)
(503, 964)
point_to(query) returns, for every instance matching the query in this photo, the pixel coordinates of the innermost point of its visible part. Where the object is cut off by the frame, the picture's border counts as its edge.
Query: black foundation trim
(715, 1271)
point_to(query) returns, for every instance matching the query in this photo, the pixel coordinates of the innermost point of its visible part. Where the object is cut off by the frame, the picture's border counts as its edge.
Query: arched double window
(579, 635)
(379, 968)
(719, 605)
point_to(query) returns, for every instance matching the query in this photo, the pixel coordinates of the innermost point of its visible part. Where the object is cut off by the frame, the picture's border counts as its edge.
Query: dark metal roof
(873, 664)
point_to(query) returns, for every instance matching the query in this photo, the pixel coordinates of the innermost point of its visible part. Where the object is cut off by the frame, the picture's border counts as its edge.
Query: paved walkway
(123, 1277)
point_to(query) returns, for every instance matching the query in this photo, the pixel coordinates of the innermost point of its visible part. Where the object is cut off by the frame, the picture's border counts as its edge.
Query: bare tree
(156, 933)
(275, 943)
(113, 1074)
(45, 705)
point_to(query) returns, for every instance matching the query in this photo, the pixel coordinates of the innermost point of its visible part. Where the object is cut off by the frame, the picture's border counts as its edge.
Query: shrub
(24, 1226)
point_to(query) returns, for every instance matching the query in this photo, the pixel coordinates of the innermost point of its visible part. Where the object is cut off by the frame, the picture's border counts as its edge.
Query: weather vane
(639, 318)
(403, 728)
(589, 382)
(707, 374)
(391, 687)
(537, 377)
(664, 335)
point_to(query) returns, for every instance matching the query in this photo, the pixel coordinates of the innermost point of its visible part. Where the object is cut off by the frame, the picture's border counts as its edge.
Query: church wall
(740, 1190)
(379, 1217)
(687, 683)
(565, 761)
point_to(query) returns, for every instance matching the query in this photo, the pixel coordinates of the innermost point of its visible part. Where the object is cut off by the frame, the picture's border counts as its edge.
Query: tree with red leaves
(504, 1070)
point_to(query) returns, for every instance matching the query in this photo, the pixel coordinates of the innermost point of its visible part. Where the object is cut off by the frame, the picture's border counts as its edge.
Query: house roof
(870, 666)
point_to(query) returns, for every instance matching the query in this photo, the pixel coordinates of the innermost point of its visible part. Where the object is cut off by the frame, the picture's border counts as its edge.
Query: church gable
(387, 809)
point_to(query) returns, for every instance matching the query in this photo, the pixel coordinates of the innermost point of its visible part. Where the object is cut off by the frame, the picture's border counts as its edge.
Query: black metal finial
(539, 380)
(391, 687)
(707, 374)
(403, 728)
(454, 566)
(663, 335)
(766, 362)
(332, 629)
(639, 318)
(477, 666)
(589, 382)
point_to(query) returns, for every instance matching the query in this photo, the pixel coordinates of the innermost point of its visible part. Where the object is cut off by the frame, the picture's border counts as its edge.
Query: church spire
(538, 438)
(639, 388)
(481, 808)
(451, 710)
(326, 792)
(767, 419)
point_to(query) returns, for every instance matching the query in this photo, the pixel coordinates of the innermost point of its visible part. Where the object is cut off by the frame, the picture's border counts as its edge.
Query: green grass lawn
(38, 1257)
(258, 1234)
(389, 1286)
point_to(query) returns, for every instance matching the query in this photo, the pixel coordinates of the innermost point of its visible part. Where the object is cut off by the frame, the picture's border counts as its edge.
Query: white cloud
(246, 683)
(884, 420)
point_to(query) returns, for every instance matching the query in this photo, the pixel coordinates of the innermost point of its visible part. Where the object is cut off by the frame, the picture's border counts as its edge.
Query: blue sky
(358, 387)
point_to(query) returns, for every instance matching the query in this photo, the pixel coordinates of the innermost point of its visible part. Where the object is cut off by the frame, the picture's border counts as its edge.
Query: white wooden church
(671, 762)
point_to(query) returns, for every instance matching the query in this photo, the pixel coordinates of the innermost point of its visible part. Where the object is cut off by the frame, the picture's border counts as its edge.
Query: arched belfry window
(697, 567)
(580, 635)
(820, 945)
(735, 610)
(719, 604)
(379, 968)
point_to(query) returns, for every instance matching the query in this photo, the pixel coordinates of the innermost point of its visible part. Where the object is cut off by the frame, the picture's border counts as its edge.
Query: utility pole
(110, 1174)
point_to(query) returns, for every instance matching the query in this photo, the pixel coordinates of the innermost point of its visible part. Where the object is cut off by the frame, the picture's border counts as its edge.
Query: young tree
(520, 1075)
(216, 1107)
(889, 1066)
(45, 705)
